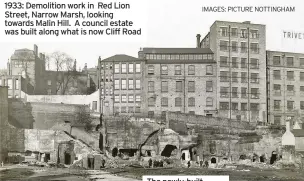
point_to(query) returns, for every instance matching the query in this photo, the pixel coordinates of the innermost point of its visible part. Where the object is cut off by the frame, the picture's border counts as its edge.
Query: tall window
(150, 69)
(234, 32)
(276, 60)
(290, 105)
(254, 63)
(301, 61)
(178, 102)
(254, 93)
(164, 102)
(224, 92)
(138, 67)
(191, 102)
(224, 61)
(234, 76)
(131, 84)
(116, 68)
(290, 61)
(209, 101)
(137, 84)
(164, 86)
(224, 31)
(137, 98)
(16, 84)
(277, 104)
(244, 92)
(123, 84)
(290, 75)
(277, 74)
(254, 78)
(191, 70)
(234, 47)
(116, 99)
(254, 34)
(191, 86)
(234, 92)
(178, 70)
(243, 47)
(224, 76)
(234, 106)
(244, 33)
(301, 76)
(277, 89)
(234, 62)
(254, 47)
(164, 70)
(209, 86)
(223, 45)
(94, 106)
(131, 67)
(243, 62)
(10, 83)
(244, 106)
(179, 86)
(209, 70)
(123, 68)
(150, 86)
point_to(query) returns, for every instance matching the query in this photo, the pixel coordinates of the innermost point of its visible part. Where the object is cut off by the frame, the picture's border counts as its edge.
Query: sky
(175, 23)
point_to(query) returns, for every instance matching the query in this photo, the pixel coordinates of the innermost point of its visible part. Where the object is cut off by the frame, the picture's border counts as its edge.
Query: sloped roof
(120, 58)
(298, 132)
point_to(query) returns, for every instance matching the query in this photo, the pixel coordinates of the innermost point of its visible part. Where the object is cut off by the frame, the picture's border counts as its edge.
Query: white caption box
(185, 178)
(105, 13)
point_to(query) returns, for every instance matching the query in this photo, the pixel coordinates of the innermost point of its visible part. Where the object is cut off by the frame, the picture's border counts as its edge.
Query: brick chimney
(36, 50)
(198, 41)
(140, 54)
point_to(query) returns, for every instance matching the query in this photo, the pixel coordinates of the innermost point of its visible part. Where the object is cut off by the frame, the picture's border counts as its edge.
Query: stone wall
(40, 115)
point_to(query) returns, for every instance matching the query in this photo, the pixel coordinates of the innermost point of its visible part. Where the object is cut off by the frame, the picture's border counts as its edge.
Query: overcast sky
(175, 23)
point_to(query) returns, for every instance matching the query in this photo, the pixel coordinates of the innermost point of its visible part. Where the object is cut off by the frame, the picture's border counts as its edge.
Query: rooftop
(120, 58)
(298, 132)
(178, 50)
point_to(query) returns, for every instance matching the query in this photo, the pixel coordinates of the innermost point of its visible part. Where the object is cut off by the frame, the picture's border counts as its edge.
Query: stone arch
(167, 151)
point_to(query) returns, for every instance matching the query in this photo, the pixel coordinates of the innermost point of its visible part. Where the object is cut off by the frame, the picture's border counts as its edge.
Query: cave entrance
(114, 152)
(168, 150)
(67, 158)
(213, 160)
(128, 152)
(273, 157)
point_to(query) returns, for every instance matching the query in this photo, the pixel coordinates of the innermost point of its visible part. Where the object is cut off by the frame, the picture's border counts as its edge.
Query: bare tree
(65, 70)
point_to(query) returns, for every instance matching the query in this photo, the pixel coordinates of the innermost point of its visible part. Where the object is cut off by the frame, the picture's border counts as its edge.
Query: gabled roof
(120, 58)
(298, 132)
(178, 50)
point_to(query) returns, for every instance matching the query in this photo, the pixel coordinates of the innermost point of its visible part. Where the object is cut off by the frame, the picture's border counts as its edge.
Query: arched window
(209, 101)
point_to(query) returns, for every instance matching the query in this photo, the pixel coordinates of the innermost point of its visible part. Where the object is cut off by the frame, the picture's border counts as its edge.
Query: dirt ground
(131, 174)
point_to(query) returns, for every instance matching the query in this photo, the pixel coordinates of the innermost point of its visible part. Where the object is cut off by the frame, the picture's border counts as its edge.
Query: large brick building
(285, 86)
(179, 80)
(120, 85)
(240, 52)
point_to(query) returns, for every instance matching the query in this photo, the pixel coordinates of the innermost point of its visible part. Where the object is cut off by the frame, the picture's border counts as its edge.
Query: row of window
(289, 74)
(254, 63)
(124, 109)
(178, 102)
(225, 92)
(179, 56)
(19, 64)
(235, 32)
(178, 70)
(224, 77)
(127, 68)
(277, 60)
(124, 84)
(179, 86)
(127, 98)
(291, 88)
(224, 46)
(235, 106)
(10, 83)
(290, 105)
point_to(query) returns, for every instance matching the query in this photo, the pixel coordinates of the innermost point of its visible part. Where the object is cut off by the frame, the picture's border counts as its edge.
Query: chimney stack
(8, 67)
(36, 50)
(198, 41)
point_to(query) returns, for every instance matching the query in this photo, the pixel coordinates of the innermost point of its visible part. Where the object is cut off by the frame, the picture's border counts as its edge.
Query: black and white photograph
(211, 89)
